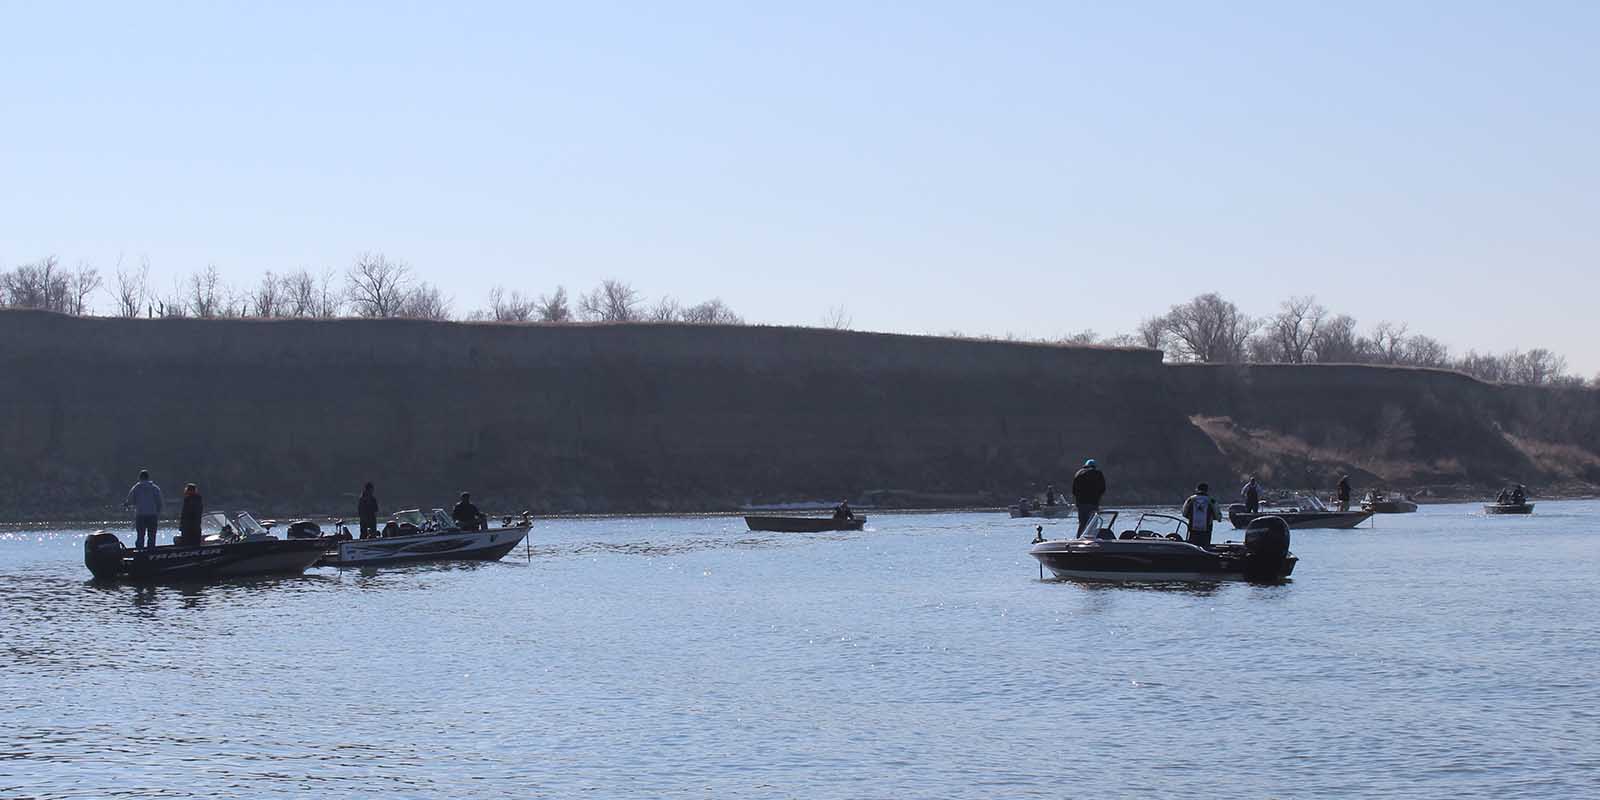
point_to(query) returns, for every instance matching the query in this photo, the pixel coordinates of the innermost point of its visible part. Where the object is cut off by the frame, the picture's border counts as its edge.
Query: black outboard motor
(102, 554)
(1266, 545)
(303, 529)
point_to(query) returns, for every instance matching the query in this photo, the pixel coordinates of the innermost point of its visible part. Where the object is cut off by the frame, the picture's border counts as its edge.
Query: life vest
(1200, 512)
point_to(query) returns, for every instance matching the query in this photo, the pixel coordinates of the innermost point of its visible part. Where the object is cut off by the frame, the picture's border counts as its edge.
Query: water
(1441, 654)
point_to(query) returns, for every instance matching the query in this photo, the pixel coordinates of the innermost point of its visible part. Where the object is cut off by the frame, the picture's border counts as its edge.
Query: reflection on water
(670, 657)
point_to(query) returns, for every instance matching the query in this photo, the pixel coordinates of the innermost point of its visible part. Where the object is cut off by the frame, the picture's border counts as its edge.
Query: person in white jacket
(145, 500)
(1200, 510)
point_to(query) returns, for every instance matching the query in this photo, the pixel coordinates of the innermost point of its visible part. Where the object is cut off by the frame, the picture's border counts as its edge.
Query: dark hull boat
(804, 524)
(1144, 556)
(1508, 508)
(107, 558)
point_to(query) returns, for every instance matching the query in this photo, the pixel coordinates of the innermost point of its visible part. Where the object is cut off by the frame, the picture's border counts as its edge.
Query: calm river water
(1441, 654)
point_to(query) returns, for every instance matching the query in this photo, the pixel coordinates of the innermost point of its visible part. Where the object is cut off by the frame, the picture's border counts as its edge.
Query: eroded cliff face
(1396, 427)
(286, 416)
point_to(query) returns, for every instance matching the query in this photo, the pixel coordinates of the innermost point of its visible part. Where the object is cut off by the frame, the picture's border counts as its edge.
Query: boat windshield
(246, 525)
(1162, 525)
(1101, 521)
(412, 517)
(213, 522)
(442, 521)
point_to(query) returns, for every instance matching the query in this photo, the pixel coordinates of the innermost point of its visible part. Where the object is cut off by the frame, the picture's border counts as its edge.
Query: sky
(984, 168)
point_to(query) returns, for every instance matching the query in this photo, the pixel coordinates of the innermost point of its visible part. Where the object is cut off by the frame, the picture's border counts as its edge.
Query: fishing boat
(804, 524)
(1155, 549)
(1508, 508)
(1042, 510)
(414, 536)
(108, 559)
(1388, 503)
(1299, 511)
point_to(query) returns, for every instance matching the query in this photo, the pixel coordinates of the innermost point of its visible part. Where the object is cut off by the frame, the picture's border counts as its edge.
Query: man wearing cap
(466, 514)
(1252, 495)
(1088, 486)
(1343, 492)
(1200, 510)
(145, 499)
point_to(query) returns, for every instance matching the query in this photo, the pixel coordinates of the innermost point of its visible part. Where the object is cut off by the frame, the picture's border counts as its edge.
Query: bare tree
(1152, 333)
(611, 301)
(1389, 342)
(666, 310)
(1291, 334)
(424, 302)
(377, 286)
(330, 298)
(132, 289)
(1337, 342)
(553, 307)
(509, 308)
(271, 296)
(84, 281)
(1209, 329)
(42, 285)
(1537, 367)
(1426, 351)
(711, 312)
(206, 296)
(176, 304)
(1081, 338)
(837, 318)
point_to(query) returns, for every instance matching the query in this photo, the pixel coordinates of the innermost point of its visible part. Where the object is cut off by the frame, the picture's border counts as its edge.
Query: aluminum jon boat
(414, 536)
(1145, 553)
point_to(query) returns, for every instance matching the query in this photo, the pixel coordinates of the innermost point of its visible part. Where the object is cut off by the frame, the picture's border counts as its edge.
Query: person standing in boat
(367, 511)
(1252, 495)
(145, 499)
(1088, 486)
(189, 518)
(1051, 496)
(466, 514)
(842, 511)
(1200, 511)
(1519, 495)
(1344, 493)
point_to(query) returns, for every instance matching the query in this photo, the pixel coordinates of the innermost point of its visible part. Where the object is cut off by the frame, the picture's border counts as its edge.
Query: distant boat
(1299, 511)
(804, 524)
(1388, 503)
(1508, 508)
(1042, 511)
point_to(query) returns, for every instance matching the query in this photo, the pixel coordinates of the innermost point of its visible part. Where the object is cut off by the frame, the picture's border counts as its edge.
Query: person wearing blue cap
(1088, 486)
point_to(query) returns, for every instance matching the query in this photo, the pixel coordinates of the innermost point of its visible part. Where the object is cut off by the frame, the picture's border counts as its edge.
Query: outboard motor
(304, 529)
(1266, 545)
(102, 554)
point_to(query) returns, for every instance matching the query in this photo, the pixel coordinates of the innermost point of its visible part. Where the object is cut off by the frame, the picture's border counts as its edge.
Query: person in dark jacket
(843, 512)
(1200, 511)
(1344, 493)
(1088, 486)
(466, 514)
(189, 518)
(367, 510)
(1252, 495)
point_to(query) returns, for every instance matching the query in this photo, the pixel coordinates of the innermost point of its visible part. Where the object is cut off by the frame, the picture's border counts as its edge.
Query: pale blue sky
(1031, 168)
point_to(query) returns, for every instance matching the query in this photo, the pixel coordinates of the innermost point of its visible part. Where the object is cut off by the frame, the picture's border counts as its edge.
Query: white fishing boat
(415, 536)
